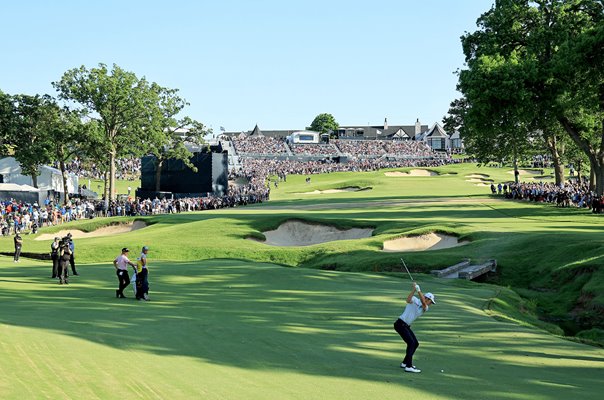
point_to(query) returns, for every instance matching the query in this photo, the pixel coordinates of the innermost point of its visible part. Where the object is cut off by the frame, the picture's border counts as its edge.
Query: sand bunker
(526, 172)
(413, 172)
(298, 233)
(479, 180)
(477, 176)
(431, 241)
(328, 191)
(104, 231)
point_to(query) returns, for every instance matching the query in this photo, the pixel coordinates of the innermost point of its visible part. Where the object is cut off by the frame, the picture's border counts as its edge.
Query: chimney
(385, 123)
(418, 127)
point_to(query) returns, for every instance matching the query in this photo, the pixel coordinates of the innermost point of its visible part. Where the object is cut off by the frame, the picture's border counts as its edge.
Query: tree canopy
(324, 123)
(534, 68)
(127, 108)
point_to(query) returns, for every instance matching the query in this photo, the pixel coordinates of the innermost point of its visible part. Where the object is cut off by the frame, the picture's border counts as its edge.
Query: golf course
(233, 316)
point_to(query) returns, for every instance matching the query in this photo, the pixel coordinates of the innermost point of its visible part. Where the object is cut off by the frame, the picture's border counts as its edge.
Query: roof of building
(369, 131)
(436, 131)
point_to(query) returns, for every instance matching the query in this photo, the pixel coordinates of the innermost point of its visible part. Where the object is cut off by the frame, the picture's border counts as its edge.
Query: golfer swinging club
(414, 309)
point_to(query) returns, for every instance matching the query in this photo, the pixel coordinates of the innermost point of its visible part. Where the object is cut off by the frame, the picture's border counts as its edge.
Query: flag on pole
(378, 132)
(222, 128)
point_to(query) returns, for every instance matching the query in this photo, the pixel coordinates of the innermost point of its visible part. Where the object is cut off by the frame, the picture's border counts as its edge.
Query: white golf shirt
(122, 262)
(413, 311)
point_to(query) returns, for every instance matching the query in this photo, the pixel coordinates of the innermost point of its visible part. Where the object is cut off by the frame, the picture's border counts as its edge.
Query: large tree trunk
(105, 185)
(552, 146)
(596, 157)
(158, 168)
(599, 174)
(112, 174)
(34, 180)
(64, 177)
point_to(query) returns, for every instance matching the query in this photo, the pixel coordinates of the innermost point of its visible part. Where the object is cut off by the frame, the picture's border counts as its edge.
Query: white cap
(430, 296)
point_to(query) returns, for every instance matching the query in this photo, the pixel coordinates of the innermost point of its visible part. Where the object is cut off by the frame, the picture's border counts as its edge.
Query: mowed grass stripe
(232, 329)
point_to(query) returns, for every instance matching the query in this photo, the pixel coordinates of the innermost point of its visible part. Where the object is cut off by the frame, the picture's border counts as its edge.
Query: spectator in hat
(121, 263)
(142, 274)
(54, 255)
(72, 259)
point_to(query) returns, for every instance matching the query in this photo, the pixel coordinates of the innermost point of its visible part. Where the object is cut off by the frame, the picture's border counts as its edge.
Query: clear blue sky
(277, 63)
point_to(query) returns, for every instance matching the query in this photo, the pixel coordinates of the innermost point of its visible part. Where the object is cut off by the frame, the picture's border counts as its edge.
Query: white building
(50, 181)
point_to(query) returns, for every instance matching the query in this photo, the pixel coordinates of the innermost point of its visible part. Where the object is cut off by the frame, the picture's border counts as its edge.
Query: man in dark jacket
(18, 245)
(54, 255)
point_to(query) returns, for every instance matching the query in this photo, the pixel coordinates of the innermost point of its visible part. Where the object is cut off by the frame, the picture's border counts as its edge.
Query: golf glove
(417, 289)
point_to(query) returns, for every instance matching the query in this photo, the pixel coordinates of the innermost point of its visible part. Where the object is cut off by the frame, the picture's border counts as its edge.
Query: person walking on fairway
(414, 309)
(121, 263)
(142, 276)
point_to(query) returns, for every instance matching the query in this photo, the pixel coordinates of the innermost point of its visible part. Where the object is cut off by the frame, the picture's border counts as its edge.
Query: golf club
(407, 269)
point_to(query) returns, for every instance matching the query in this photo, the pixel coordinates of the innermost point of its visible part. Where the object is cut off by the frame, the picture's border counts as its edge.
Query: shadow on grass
(323, 323)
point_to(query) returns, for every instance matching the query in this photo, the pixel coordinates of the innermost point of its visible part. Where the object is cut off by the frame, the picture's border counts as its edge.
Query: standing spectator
(18, 244)
(54, 255)
(71, 257)
(64, 255)
(121, 263)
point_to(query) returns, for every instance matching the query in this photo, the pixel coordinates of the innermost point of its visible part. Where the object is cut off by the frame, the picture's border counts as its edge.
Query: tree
(29, 141)
(68, 136)
(7, 115)
(493, 118)
(124, 106)
(555, 47)
(324, 123)
(171, 136)
(579, 65)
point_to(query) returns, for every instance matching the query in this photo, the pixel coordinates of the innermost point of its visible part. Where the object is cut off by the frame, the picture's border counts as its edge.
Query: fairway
(232, 318)
(229, 329)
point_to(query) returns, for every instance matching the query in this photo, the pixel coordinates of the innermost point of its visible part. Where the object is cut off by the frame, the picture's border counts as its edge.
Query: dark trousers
(17, 252)
(63, 270)
(55, 265)
(142, 284)
(72, 263)
(408, 336)
(123, 279)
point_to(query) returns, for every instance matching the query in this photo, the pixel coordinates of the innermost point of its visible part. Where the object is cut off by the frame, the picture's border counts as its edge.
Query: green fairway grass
(231, 318)
(231, 329)
(121, 185)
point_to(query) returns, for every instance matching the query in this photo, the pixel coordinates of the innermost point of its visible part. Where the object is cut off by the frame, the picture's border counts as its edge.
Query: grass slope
(226, 329)
(550, 255)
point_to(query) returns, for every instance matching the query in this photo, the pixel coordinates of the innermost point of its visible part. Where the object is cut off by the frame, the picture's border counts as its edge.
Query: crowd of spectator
(125, 168)
(262, 169)
(314, 149)
(408, 147)
(259, 145)
(18, 217)
(569, 194)
(361, 148)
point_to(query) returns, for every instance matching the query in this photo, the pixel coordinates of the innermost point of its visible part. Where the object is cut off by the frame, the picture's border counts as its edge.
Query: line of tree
(106, 115)
(534, 78)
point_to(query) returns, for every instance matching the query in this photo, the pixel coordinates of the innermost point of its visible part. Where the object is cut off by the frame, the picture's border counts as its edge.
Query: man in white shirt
(121, 269)
(414, 309)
